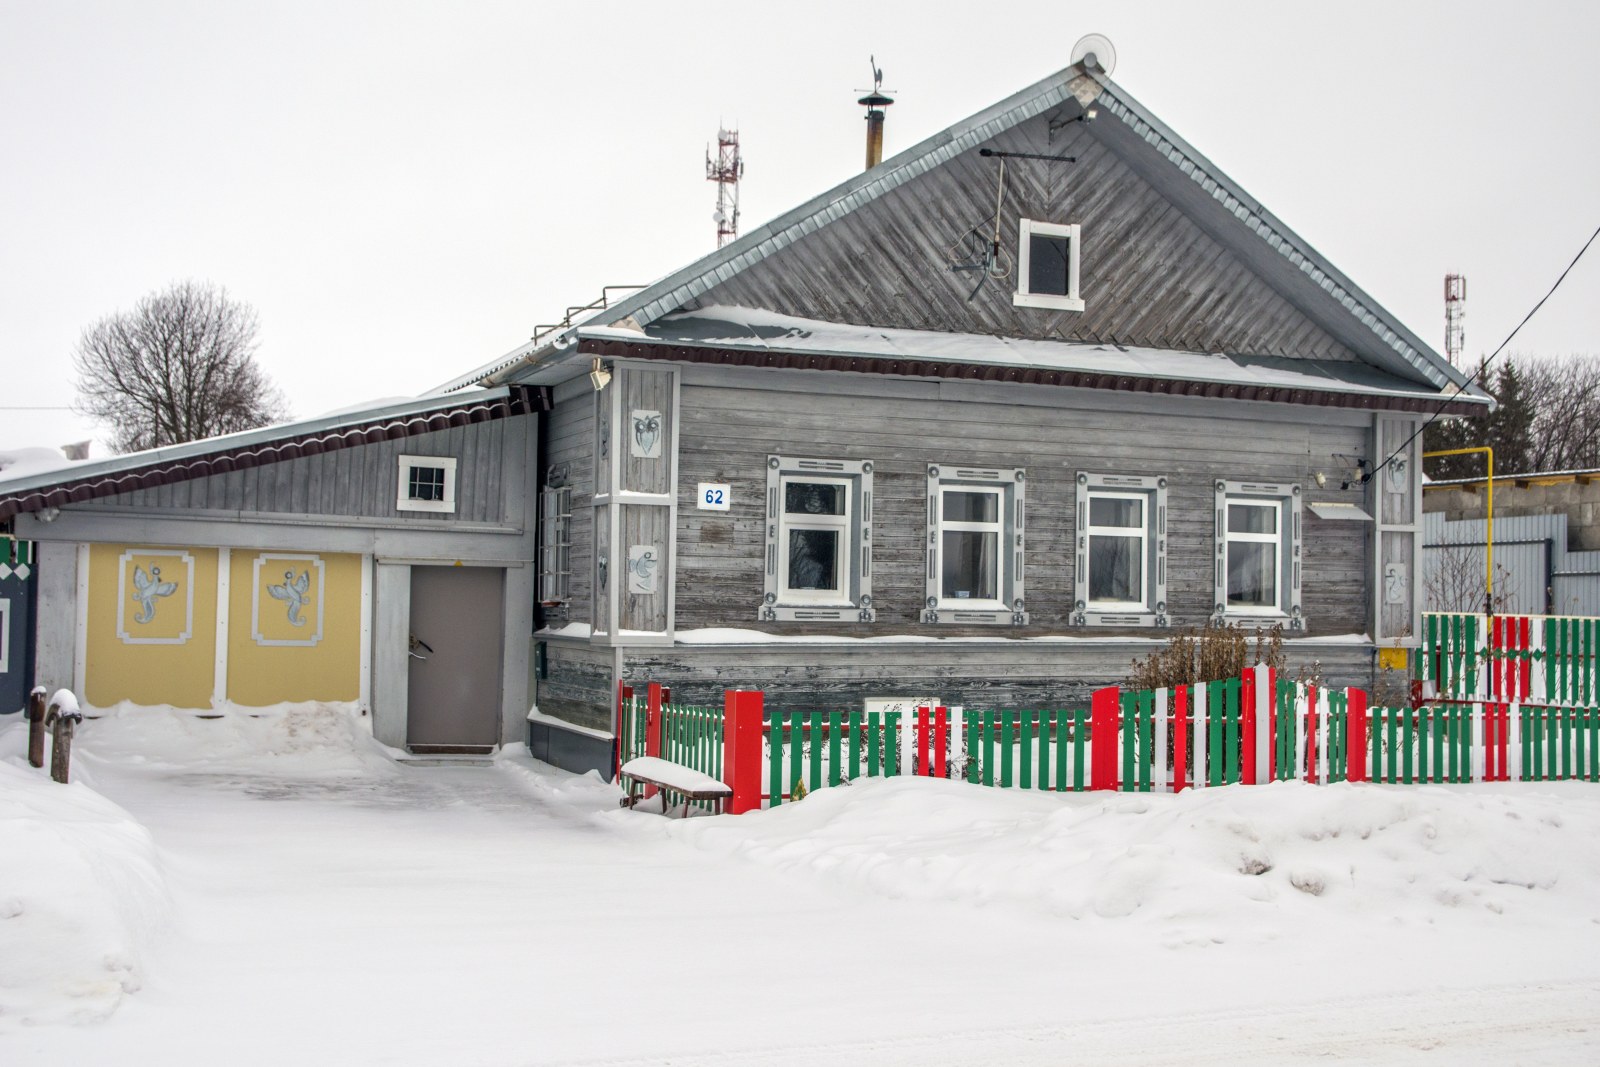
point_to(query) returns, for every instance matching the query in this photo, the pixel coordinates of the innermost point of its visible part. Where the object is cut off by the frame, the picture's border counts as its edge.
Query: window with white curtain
(1258, 547)
(975, 542)
(1121, 575)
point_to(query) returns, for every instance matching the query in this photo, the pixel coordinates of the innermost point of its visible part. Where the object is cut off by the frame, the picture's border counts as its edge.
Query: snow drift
(81, 896)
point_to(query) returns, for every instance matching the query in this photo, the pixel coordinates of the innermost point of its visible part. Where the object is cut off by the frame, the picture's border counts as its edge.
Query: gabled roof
(1359, 321)
(387, 421)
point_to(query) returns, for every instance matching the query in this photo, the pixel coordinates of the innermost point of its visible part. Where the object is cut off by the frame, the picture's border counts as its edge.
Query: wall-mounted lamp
(1087, 115)
(599, 375)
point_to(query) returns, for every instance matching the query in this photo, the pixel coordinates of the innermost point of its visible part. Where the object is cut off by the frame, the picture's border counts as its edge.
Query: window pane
(972, 507)
(1047, 264)
(1112, 511)
(426, 483)
(1116, 569)
(813, 559)
(813, 498)
(1253, 574)
(970, 572)
(1253, 518)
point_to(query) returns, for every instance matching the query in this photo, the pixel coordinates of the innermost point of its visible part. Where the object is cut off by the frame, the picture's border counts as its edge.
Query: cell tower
(1455, 312)
(726, 170)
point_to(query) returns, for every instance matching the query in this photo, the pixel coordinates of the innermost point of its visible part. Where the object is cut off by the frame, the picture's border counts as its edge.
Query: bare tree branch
(179, 367)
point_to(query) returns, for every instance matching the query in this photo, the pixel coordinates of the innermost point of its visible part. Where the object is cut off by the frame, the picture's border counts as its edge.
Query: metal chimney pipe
(875, 102)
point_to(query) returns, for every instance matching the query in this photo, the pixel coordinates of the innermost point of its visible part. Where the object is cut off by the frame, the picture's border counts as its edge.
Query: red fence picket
(1104, 730)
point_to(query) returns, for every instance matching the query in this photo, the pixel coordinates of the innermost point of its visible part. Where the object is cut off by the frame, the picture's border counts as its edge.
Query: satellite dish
(1096, 52)
(717, 217)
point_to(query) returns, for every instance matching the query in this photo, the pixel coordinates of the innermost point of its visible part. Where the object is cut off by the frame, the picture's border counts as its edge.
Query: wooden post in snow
(62, 717)
(36, 702)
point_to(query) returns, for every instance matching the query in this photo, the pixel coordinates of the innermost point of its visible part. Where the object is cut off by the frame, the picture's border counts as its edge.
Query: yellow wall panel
(294, 629)
(151, 625)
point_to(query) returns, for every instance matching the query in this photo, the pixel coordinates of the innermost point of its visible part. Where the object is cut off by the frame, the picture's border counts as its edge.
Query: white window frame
(1151, 609)
(403, 498)
(1287, 610)
(1072, 300)
(839, 524)
(852, 602)
(555, 546)
(1010, 607)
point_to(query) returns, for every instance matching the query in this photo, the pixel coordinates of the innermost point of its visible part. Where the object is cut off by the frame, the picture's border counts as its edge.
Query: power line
(1484, 365)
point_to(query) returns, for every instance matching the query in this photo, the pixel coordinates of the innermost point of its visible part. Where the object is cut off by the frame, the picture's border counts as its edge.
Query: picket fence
(1548, 660)
(1247, 730)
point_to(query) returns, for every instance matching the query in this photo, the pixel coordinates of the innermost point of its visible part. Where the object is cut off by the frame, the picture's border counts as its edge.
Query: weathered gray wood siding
(363, 482)
(569, 456)
(1010, 674)
(1150, 276)
(578, 683)
(728, 432)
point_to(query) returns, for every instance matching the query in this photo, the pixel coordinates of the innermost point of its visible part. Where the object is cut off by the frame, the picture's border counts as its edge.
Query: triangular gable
(1175, 254)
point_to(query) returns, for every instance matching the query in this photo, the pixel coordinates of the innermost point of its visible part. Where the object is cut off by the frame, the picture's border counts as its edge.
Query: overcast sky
(404, 190)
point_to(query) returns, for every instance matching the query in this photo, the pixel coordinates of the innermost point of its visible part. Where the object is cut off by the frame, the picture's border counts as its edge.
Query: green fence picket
(775, 759)
(1025, 744)
(891, 744)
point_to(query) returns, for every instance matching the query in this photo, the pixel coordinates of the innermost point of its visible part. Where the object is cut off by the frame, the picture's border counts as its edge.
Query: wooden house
(894, 445)
(981, 425)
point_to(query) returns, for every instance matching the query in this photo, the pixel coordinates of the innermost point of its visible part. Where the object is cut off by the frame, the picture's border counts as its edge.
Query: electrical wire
(1484, 366)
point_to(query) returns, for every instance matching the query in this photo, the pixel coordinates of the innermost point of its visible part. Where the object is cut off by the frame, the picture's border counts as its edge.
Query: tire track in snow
(1554, 1023)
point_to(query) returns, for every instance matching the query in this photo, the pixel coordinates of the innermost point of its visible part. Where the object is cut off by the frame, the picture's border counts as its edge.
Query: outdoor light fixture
(599, 375)
(1082, 116)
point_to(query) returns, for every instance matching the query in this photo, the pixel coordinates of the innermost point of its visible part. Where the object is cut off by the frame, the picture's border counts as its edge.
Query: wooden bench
(670, 777)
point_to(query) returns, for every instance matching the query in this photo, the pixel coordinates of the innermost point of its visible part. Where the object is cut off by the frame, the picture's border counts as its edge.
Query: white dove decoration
(294, 590)
(146, 588)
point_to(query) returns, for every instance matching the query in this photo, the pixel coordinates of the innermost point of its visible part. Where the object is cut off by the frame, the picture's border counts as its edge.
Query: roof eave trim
(1002, 373)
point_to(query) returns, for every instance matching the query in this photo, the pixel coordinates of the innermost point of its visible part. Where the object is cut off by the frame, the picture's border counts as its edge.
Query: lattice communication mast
(726, 169)
(1455, 313)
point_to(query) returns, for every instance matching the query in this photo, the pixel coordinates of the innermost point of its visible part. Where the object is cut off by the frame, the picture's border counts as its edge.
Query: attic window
(427, 483)
(1047, 266)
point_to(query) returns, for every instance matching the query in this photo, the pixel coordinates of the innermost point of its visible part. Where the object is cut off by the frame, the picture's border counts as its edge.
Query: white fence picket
(1197, 724)
(1162, 712)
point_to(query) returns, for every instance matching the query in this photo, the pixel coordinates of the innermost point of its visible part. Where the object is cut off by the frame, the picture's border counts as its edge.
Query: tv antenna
(1096, 52)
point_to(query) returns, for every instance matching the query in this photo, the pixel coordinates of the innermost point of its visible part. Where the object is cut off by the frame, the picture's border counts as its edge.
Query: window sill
(1045, 300)
(1245, 617)
(819, 612)
(1104, 616)
(980, 614)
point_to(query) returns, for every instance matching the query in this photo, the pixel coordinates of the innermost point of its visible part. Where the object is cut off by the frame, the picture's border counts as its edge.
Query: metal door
(456, 637)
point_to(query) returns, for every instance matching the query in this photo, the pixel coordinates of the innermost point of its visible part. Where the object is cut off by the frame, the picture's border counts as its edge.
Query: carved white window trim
(555, 546)
(1153, 611)
(1072, 299)
(404, 501)
(1287, 497)
(853, 603)
(1010, 607)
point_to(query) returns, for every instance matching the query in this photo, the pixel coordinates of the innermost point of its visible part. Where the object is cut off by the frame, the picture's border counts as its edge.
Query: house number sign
(713, 496)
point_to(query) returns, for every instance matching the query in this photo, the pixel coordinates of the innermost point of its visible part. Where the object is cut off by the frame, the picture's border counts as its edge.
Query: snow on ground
(330, 906)
(82, 893)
